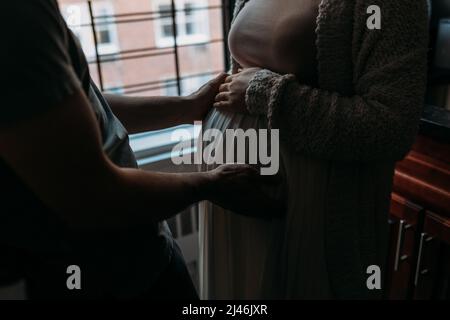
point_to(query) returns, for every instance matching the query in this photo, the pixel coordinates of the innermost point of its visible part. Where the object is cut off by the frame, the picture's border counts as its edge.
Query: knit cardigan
(360, 120)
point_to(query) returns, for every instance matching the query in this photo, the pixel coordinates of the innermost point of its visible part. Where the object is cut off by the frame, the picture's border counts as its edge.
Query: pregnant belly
(270, 159)
(223, 120)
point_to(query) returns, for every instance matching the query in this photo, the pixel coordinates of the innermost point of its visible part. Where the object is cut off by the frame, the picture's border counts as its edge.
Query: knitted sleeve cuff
(264, 92)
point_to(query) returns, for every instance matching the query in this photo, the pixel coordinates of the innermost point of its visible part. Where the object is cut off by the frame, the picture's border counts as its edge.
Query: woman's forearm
(371, 126)
(376, 117)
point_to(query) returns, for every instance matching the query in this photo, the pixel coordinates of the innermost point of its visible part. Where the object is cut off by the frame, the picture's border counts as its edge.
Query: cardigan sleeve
(380, 119)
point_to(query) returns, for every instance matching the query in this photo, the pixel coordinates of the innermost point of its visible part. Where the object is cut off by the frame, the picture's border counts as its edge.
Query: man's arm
(139, 114)
(58, 154)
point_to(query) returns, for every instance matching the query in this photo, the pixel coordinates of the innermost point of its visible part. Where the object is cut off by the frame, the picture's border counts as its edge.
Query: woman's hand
(231, 95)
(202, 100)
(239, 187)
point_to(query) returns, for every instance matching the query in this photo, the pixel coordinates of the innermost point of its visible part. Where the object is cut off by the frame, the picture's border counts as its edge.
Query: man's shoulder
(24, 4)
(27, 22)
(26, 12)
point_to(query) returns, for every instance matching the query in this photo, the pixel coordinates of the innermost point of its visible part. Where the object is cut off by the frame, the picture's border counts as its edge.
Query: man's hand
(87, 190)
(231, 95)
(239, 187)
(203, 99)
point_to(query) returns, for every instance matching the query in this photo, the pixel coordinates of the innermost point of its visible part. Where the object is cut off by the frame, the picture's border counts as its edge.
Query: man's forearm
(122, 197)
(139, 114)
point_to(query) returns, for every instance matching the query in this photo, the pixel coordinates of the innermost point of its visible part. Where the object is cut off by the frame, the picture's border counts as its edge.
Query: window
(136, 52)
(72, 15)
(166, 21)
(170, 88)
(103, 29)
(191, 19)
(115, 90)
(191, 25)
(76, 14)
(189, 84)
(135, 42)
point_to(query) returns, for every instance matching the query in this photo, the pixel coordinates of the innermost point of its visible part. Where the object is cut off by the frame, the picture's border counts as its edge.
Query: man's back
(42, 64)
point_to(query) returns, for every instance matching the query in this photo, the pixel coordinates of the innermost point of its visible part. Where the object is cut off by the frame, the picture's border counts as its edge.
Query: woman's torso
(277, 35)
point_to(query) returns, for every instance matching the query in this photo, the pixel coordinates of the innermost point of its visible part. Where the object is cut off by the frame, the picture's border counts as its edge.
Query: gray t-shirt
(42, 64)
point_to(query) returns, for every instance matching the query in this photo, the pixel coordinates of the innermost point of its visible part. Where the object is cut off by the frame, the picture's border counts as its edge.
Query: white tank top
(283, 42)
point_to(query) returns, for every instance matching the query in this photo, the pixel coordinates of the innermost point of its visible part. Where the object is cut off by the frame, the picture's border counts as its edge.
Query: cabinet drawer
(403, 222)
(432, 274)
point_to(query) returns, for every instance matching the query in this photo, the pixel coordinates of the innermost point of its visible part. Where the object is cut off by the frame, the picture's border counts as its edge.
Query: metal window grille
(96, 21)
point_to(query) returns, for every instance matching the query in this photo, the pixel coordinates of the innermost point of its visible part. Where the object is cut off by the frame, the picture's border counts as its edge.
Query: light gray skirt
(249, 258)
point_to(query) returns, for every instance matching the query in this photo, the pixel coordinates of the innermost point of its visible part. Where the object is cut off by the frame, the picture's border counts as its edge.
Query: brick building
(135, 43)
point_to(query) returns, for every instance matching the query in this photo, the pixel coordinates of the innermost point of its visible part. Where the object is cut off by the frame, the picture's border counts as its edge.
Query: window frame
(73, 13)
(101, 25)
(163, 41)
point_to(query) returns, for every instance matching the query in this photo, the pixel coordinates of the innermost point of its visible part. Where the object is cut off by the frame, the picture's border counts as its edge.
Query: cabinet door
(432, 275)
(442, 291)
(403, 221)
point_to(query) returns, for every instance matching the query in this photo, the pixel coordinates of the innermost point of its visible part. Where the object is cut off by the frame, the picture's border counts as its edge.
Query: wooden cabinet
(432, 276)
(425, 275)
(404, 224)
(419, 252)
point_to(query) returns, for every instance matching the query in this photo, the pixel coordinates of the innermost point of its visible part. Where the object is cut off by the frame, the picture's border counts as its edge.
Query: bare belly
(277, 35)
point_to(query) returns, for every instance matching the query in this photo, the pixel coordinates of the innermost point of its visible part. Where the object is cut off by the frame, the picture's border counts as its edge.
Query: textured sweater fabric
(360, 120)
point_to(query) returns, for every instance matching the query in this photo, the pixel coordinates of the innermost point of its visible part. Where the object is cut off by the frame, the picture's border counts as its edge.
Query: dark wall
(439, 9)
